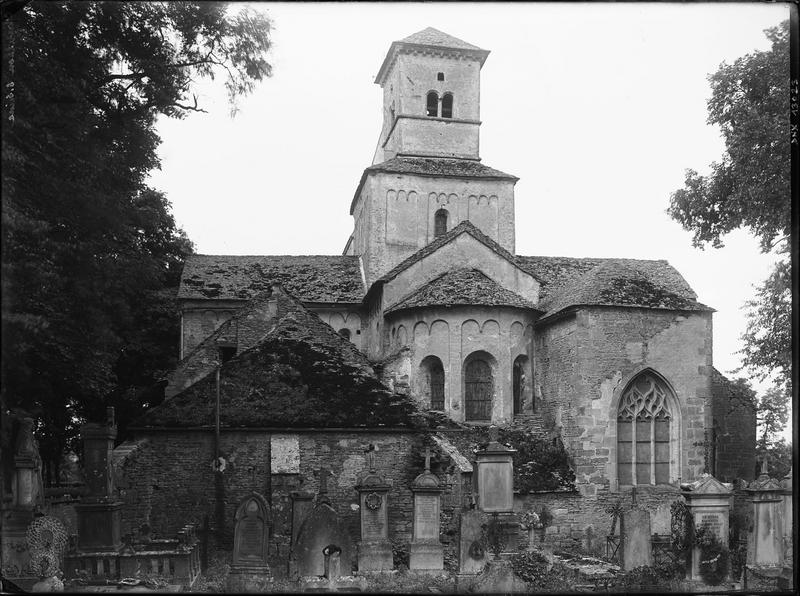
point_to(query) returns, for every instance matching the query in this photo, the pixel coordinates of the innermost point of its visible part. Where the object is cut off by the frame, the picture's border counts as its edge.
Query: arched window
(447, 105)
(345, 333)
(478, 389)
(440, 76)
(520, 382)
(432, 104)
(440, 223)
(643, 432)
(431, 373)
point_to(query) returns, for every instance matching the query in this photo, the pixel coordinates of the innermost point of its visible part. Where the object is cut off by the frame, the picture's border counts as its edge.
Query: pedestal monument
(426, 552)
(374, 550)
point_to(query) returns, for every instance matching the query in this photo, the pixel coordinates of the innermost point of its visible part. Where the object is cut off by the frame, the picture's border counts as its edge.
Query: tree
(91, 256)
(750, 188)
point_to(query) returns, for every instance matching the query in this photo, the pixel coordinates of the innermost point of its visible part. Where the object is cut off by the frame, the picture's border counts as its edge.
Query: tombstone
(788, 513)
(322, 529)
(425, 551)
(99, 512)
(634, 529)
(709, 504)
(472, 551)
(374, 549)
(495, 476)
(47, 540)
(302, 504)
(249, 570)
(766, 542)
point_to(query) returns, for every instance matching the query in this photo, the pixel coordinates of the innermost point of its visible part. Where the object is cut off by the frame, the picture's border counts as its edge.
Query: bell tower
(431, 98)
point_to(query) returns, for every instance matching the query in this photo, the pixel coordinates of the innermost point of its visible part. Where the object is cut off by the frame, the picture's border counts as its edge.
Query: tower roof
(434, 37)
(430, 40)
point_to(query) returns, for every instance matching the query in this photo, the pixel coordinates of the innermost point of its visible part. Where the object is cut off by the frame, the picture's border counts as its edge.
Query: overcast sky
(598, 108)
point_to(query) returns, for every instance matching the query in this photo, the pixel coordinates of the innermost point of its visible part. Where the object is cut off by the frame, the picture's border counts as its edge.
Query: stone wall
(584, 362)
(734, 431)
(167, 480)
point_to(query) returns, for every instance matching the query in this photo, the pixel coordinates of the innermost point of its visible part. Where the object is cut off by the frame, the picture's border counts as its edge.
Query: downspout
(219, 487)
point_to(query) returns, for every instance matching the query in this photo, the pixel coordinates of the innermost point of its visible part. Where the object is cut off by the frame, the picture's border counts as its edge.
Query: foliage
(663, 575)
(541, 576)
(539, 465)
(772, 413)
(91, 256)
(740, 524)
(750, 188)
(400, 554)
(681, 526)
(714, 556)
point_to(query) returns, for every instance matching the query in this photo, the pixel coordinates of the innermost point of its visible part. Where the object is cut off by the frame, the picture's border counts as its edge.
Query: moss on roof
(317, 278)
(462, 287)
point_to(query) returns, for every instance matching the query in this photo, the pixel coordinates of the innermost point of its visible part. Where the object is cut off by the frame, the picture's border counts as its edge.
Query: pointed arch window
(644, 433)
(440, 223)
(432, 104)
(447, 105)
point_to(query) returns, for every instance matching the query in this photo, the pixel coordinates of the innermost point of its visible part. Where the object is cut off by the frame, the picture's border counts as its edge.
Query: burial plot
(250, 571)
(708, 501)
(426, 552)
(472, 557)
(374, 549)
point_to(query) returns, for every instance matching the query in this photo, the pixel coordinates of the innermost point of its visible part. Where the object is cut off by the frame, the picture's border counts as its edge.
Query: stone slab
(426, 556)
(472, 556)
(636, 535)
(375, 555)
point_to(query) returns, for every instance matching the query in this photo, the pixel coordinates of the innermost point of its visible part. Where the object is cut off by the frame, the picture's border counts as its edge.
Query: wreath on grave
(714, 556)
(373, 501)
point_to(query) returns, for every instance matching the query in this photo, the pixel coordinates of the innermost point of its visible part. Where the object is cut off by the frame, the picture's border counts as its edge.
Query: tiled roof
(432, 166)
(320, 278)
(612, 282)
(465, 226)
(434, 37)
(461, 287)
(301, 373)
(439, 166)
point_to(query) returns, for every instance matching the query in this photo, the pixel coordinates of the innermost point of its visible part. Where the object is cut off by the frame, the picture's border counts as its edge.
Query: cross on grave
(371, 457)
(427, 459)
(764, 471)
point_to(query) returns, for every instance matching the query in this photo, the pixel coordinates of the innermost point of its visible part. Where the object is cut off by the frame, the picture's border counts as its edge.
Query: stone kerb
(709, 503)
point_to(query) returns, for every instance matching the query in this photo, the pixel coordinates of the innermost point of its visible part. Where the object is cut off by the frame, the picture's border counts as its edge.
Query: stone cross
(494, 433)
(764, 471)
(427, 459)
(371, 457)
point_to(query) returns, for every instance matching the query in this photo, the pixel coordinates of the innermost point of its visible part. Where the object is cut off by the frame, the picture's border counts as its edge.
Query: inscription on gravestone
(251, 532)
(713, 522)
(427, 518)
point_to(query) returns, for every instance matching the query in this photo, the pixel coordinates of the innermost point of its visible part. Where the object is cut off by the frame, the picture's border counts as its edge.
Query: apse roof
(316, 278)
(461, 287)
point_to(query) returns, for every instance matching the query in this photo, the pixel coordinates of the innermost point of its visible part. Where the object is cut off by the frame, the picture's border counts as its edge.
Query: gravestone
(472, 551)
(425, 551)
(709, 504)
(788, 538)
(374, 549)
(302, 504)
(249, 570)
(321, 529)
(634, 528)
(767, 535)
(495, 476)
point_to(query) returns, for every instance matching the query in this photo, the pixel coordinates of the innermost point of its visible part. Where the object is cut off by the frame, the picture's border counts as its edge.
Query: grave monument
(374, 549)
(766, 543)
(495, 471)
(426, 552)
(635, 533)
(250, 571)
(709, 504)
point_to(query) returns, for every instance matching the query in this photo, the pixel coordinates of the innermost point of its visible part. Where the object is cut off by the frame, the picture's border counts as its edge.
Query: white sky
(598, 108)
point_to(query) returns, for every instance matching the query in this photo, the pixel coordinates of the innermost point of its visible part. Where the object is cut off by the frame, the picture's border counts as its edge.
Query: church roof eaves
(429, 39)
(312, 278)
(437, 167)
(461, 287)
(571, 282)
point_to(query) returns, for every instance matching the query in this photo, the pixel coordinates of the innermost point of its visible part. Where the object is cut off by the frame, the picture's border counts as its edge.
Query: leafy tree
(91, 256)
(749, 188)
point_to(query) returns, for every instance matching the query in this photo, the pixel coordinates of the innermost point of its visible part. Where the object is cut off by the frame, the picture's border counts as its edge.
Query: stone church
(430, 301)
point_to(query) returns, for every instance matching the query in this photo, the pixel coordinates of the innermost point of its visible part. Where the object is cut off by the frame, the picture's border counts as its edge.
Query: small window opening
(433, 104)
(358, 331)
(440, 76)
(447, 105)
(345, 333)
(440, 223)
(226, 353)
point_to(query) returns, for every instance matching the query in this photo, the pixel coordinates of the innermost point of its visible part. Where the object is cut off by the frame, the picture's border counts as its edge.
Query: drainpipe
(219, 487)
(216, 417)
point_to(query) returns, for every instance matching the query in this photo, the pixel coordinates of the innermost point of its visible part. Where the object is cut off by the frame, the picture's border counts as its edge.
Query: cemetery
(502, 540)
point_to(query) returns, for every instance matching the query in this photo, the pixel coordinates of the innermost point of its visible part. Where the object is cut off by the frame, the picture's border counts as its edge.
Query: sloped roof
(301, 373)
(439, 167)
(465, 226)
(433, 37)
(461, 287)
(612, 282)
(317, 278)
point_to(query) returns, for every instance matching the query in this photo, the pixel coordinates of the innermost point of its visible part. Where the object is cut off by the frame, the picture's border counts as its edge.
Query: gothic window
(432, 381)
(440, 76)
(643, 432)
(440, 223)
(447, 105)
(478, 389)
(519, 382)
(432, 104)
